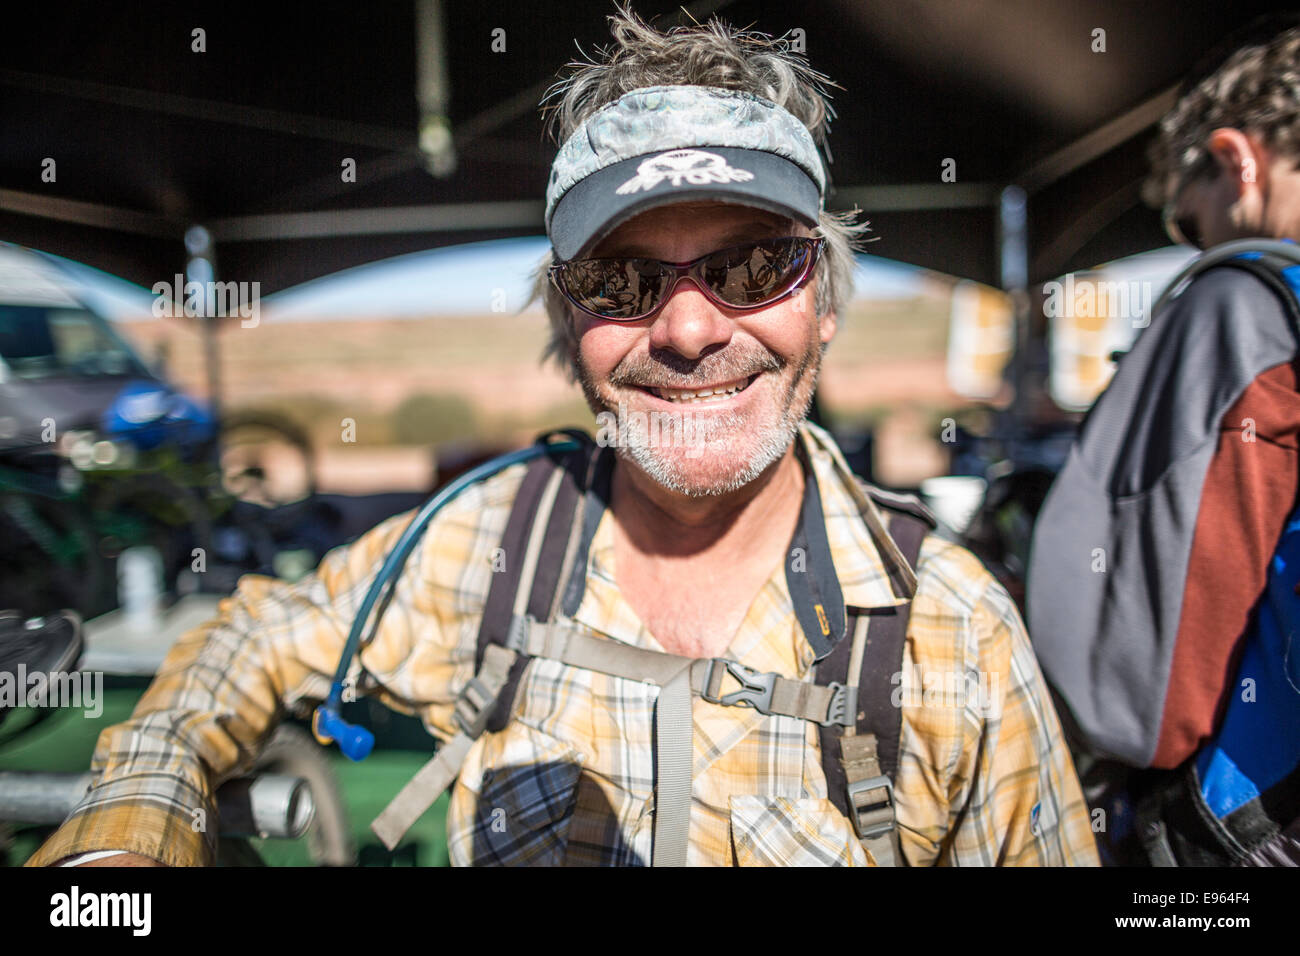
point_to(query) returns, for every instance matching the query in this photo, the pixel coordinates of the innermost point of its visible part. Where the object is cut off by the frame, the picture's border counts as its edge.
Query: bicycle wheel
(266, 460)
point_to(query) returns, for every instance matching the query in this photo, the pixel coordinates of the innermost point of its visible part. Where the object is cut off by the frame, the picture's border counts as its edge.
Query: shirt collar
(869, 569)
(872, 571)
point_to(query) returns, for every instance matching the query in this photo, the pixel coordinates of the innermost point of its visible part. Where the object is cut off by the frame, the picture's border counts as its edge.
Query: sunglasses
(748, 276)
(1182, 227)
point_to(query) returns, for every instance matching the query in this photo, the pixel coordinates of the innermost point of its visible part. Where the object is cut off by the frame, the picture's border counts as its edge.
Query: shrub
(433, 419)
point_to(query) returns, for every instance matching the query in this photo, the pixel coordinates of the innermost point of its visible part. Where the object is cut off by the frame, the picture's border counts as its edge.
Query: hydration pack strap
(860, 759)
(472, 710)
(562, 504)
(527, 568)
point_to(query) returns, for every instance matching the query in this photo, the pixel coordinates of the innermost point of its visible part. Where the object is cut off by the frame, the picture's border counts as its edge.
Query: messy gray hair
(710, 54)
(1255, 88)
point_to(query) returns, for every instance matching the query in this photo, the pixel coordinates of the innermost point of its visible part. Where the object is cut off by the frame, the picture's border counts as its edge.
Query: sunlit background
(442, 349)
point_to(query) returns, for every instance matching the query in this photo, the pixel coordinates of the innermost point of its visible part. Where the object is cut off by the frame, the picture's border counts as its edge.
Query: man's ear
(1242, 159)
(827, 324)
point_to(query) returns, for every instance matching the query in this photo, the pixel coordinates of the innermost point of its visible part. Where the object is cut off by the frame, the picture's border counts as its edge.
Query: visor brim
(595, 207)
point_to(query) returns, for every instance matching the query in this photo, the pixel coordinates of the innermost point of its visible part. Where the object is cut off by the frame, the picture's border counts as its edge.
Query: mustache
(666, 369)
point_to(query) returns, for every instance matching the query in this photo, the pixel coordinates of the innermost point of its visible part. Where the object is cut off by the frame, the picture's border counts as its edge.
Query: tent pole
(201, 268)
(1013, 256)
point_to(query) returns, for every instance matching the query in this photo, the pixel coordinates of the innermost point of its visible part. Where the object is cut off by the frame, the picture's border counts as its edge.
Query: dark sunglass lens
(1187, 229)
(751, 274)
(615, 288)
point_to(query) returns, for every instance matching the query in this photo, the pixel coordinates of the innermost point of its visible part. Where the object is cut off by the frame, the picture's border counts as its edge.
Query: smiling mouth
(696, 396)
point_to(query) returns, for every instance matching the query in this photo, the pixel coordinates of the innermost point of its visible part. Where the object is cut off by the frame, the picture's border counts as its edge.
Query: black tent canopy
(241, 117)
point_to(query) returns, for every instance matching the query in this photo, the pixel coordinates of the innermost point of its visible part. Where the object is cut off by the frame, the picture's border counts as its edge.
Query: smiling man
(739, 392)
(730, 389)
(697, 641)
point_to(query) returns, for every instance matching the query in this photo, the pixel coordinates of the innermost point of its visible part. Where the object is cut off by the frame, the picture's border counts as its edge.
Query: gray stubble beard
(667, 471)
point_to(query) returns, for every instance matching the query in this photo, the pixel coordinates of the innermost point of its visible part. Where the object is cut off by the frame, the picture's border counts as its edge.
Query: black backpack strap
(885, 637)
(525, 582)
(861, 767)
(1268, 269)
(536, 545)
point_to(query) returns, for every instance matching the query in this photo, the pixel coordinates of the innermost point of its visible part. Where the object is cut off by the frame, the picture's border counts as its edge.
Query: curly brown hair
(1250, 83)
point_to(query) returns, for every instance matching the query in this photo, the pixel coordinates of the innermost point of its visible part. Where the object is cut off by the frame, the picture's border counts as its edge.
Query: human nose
(689, 323)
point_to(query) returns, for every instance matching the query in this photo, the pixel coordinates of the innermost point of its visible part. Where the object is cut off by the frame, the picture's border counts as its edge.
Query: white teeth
(684, 396)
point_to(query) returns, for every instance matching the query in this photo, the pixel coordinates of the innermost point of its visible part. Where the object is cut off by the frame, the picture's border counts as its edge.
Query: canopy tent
(147, 136)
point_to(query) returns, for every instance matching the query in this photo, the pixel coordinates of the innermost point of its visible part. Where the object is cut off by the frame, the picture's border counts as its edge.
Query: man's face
(1250, 191)
(766, 360)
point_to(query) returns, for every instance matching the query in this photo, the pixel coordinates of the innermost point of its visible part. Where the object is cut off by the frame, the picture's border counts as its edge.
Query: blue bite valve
(355, 742)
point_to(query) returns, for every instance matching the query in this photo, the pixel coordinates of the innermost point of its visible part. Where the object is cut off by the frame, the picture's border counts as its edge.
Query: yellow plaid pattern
(984, 776)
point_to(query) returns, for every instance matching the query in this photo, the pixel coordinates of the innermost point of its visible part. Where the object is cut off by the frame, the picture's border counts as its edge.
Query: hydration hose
(328, 725)
(1282, 248)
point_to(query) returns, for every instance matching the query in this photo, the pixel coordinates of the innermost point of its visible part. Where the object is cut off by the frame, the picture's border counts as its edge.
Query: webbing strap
(507, 578)
(768, 693)
(869, 794)
(524, 589)
(472, 710)
(421, 791)
(871, 797)
(884, 656)
(813, 584)
(533, 551)
(860, 763)
(598, 488)
(901, 573)
(571, 644)
(674, 758)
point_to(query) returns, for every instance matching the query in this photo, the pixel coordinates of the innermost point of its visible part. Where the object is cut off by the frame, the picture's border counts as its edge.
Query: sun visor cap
(662, 145)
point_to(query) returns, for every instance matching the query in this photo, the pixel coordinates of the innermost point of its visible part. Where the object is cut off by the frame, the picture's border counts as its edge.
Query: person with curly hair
(1174, 657)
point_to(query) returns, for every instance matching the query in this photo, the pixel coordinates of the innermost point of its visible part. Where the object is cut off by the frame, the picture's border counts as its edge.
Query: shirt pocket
(525, 802)
(781, 831)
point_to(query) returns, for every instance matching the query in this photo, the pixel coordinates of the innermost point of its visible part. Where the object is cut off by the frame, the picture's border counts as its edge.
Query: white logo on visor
(693, 167)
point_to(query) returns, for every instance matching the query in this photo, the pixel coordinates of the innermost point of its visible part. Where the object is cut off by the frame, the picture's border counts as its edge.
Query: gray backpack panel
(1103, 622)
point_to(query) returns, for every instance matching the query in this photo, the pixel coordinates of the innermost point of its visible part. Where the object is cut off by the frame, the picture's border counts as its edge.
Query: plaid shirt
(984, 778)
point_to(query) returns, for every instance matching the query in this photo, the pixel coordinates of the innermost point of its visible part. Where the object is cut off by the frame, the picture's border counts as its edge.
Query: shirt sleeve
(1015, 798)
(218, 696)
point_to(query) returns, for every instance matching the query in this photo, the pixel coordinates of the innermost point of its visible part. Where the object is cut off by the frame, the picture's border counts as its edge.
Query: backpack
(1236, 801)
(551, 525)
(1106, 640)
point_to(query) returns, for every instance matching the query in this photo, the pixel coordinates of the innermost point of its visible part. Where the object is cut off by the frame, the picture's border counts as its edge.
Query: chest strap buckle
(843, 709)
(756, 686)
